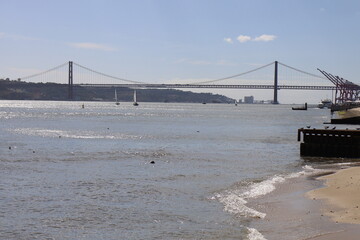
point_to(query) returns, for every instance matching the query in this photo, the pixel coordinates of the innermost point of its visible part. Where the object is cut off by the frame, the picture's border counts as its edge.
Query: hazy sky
(177, 40)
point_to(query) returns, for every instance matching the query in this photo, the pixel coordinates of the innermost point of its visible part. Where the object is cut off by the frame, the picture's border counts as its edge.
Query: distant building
(249, 99)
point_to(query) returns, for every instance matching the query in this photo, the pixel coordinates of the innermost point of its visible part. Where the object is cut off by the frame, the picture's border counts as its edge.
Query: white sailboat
(135, 103)
(116, 100)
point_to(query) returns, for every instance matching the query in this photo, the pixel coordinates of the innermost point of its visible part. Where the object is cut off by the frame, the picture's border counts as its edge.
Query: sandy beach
(340, 200)
(342, 192)
(299, 212)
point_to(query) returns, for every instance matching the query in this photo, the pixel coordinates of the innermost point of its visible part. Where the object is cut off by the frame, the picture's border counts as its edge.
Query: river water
(156, 171)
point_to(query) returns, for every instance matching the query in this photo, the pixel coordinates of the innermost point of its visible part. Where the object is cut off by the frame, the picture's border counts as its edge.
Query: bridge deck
(289, 87)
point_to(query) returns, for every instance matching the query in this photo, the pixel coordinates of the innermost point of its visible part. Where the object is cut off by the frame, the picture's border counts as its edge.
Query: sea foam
(254, 234)
(235, 199)
(52, 133)
(235, 204)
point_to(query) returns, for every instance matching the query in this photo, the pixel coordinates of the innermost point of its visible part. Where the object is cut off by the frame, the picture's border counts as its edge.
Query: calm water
(75, 173)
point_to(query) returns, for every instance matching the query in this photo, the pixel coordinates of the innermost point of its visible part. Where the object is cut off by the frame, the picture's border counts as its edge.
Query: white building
(249, 99)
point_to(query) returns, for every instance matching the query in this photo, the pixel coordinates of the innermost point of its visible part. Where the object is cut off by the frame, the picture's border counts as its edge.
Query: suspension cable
(237, 75)
(38, 74)
(204, 82)
(310, 74)
(106, 75)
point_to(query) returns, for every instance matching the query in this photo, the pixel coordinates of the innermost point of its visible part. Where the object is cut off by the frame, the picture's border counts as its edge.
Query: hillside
(18, 90)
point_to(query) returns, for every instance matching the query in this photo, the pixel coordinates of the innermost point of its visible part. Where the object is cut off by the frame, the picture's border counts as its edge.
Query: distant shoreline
(20, 90)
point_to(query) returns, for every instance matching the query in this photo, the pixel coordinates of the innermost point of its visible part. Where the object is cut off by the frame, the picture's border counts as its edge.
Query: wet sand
(342, 192)
(294, 213)
(341, 201)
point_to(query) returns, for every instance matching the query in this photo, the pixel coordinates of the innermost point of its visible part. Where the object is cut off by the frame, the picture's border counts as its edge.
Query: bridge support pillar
(70, 84)
(275, 101)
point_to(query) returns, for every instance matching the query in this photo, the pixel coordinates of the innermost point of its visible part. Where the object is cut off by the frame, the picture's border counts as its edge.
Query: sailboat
(135, 103)
(116, 100)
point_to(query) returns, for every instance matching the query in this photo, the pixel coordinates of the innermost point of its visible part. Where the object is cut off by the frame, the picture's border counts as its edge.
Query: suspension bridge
(273, 76)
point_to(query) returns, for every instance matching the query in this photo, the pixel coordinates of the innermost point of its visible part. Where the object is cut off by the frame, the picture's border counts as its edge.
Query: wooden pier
(329, 143)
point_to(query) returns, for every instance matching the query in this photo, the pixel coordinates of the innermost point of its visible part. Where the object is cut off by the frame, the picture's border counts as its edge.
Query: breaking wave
(235, 199)
(73, 134)
(254, 234)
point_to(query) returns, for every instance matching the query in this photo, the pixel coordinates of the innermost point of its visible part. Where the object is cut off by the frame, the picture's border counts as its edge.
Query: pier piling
(329, 143)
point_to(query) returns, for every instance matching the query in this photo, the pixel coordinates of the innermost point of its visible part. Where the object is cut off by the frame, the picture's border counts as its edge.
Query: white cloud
(228, 40)
(243, 38)
(95, 46)
(265, 38)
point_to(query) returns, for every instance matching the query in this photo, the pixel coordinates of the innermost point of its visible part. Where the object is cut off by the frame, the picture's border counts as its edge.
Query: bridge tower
(275, 101)
(70, 84)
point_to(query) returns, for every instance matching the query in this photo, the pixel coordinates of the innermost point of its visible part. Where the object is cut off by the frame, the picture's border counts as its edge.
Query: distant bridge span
(279, 87)
(211, 84)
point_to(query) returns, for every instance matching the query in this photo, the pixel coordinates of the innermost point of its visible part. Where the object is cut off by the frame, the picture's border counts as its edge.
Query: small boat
(326, 103)
(236, 103)
(300, 108)
(135, 102)
(116, 100)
